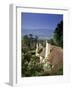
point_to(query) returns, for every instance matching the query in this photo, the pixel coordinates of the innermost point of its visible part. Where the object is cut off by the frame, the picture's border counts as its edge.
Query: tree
(25, 41)
(58, 34)
(51, 41)
(31, 40)
(36, 40)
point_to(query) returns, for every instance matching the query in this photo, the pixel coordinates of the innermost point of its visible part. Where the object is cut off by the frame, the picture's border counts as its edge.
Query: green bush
(31, 66)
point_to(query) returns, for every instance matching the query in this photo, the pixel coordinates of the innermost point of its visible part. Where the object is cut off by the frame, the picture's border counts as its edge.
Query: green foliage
(30, 64)
(29, 41)
(60, 71)
(31, 68)
(58, 34)
(51, 41)
(25, 40)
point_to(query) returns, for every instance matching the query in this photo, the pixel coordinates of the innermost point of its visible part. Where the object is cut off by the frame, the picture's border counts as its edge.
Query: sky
(41, 25)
